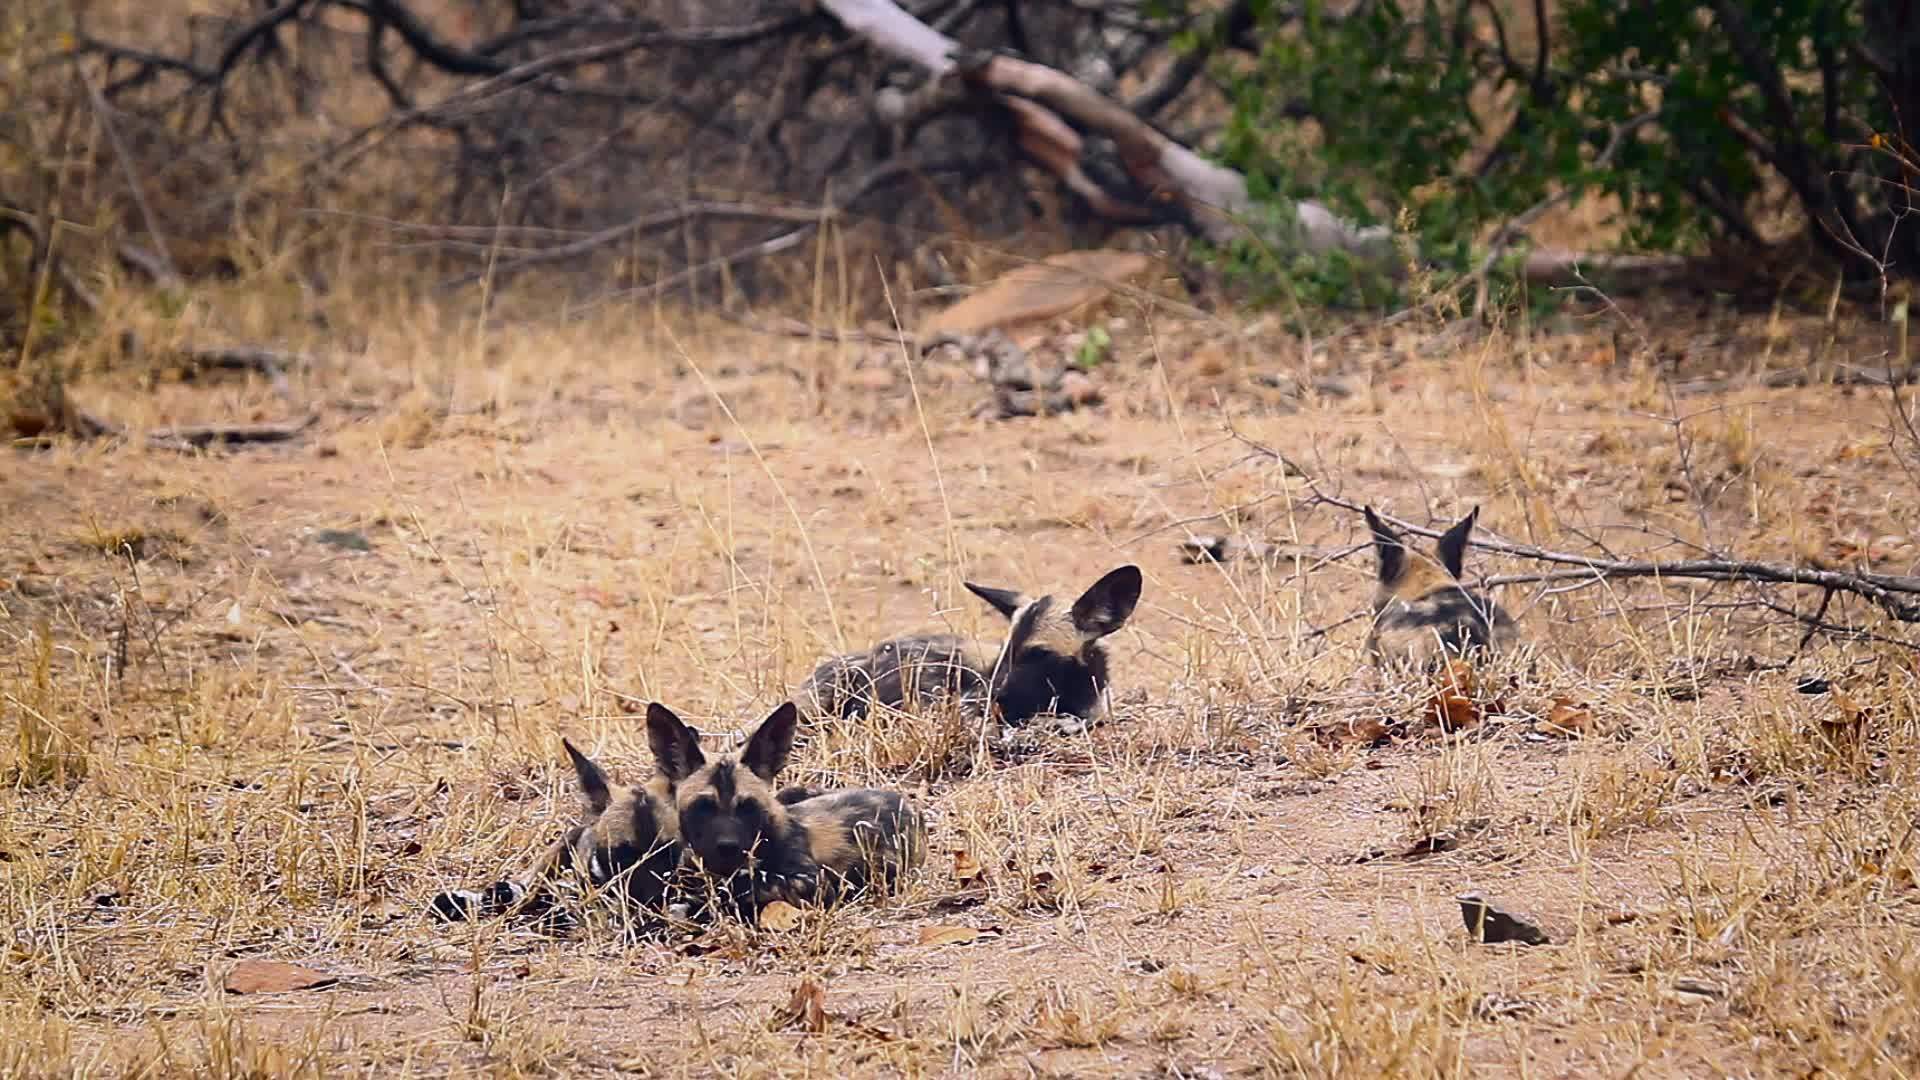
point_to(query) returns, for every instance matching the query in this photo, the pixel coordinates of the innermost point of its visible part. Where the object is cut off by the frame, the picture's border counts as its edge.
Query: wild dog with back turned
(1422, 612)
(1053, 661)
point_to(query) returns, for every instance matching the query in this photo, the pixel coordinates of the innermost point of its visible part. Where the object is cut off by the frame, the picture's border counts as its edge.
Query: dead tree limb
(1896, 594)
(1043, 100)
(645, 223)
(198, 436)
(1050, 107)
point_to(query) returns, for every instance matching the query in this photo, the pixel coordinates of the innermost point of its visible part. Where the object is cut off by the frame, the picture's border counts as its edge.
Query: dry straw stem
(282, 745)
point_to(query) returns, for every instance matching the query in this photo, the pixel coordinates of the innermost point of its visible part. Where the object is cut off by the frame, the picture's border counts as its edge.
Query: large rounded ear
(676, 747)
(593, 780)
(1106, 606)
(1388, 549)
(1452, 548)
(1004, 601)
(768, 747)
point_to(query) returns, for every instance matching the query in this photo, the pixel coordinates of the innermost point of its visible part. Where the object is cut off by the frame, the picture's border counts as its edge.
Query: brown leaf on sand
(779, 915)
(1455, 704)
(1355, 731)
(805, 1010)
(948, 935)
(966, 869)
(274, 977)
(1569, 718)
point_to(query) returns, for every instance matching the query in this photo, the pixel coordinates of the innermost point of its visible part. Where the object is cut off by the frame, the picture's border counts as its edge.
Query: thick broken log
(1050, 108)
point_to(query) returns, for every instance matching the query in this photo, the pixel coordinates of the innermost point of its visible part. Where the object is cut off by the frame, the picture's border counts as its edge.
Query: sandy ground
(293, 690)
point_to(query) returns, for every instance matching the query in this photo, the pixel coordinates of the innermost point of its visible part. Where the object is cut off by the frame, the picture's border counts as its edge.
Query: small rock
(345, 539)
(1698, 988)
(1493, 925)
(1501, 1007)
(877, 378)
(1336, 386)
(1079, 388)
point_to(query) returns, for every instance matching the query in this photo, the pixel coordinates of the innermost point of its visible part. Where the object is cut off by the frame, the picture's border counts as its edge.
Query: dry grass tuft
(262, 704)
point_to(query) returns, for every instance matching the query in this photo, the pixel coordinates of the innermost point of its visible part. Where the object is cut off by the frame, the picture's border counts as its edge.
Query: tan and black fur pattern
(1422, 613)
(628, 839)
(754, 845)
(1053, 661)
(626, 847)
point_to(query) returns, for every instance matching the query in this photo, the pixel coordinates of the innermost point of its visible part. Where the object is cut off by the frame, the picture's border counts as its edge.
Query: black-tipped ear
(771, 742)
(1004, 601)
(1106, 606)
(593, 780)
(1388, 549)
(676, 748)
(1452, 548)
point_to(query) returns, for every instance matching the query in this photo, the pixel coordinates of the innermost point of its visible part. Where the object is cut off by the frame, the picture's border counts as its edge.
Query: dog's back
(1422, 613)
(1053, 660)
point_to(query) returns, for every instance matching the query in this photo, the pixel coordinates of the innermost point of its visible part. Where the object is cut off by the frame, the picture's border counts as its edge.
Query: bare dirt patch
(265, 703)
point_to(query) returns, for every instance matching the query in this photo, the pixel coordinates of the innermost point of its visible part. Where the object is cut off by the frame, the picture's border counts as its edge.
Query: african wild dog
(1053, 660)
(824, 847)
(630, 838)
(1421, 612)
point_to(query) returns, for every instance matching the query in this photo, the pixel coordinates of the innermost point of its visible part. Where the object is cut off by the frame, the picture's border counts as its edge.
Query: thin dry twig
(1888, 591)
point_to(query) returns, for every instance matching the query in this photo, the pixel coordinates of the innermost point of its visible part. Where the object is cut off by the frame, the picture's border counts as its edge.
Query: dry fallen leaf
(274, 977)
(1454, 705)
(779, 915)
(966, 869)
(806, 1009)
(1566, 717)
(1453, 712)
(1364, 731)
(948, 935)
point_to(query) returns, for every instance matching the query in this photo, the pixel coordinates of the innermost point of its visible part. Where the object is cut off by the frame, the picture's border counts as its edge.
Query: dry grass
(234, 734)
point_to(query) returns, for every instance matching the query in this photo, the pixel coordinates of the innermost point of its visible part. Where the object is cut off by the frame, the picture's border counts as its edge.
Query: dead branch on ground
(1897, 595)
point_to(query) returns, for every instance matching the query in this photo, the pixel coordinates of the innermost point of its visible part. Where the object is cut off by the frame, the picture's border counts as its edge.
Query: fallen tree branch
(789, 327)
(869, 183)
(1786, 378)
(82, 424)
(1050, 102)
(1051, 109)
(197, 436)
(1898, 595)
(268, 362)
(645, 223)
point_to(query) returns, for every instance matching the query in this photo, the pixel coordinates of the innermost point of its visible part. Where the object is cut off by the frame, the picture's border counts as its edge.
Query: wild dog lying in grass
(1053, 661)
(753, 845)
(1422, 613)
(627, 847)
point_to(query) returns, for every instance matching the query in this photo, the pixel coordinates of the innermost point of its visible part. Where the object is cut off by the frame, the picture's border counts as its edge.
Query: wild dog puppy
(629, 839)
(1053, 661)
(1422, 614)
(756, 846)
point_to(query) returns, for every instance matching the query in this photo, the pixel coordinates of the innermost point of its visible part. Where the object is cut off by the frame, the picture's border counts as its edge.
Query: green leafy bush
(1722, 127)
